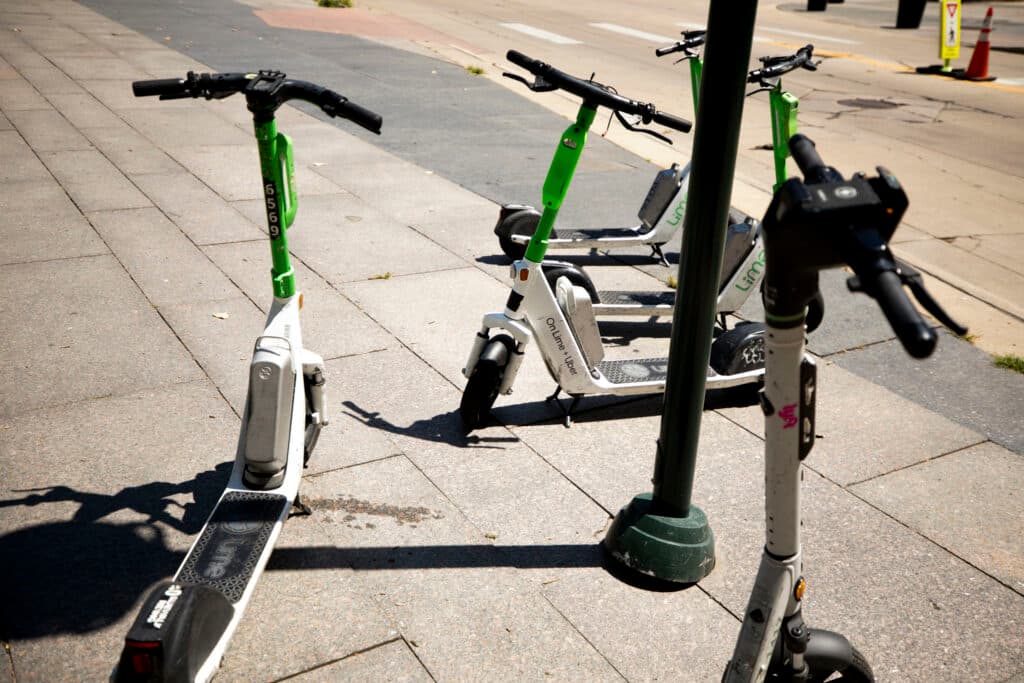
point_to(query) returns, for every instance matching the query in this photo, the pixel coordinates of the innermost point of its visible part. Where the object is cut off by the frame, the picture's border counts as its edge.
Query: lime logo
(753, 274)
(845, 192)
(569, 142)
(677, 214)
(265, 372)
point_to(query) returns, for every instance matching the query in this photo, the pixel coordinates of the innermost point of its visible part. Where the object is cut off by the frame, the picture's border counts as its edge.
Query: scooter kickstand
(566, 412)
(656, 251)
(300, 509)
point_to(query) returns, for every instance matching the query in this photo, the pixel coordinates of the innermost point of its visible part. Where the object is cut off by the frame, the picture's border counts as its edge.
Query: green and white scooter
(743, 259)
(823, 221)
(660, 214)
(185, 624)
(561, 319)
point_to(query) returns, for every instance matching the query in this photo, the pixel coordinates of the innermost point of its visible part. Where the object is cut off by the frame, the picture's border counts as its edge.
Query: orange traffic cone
(977, 70)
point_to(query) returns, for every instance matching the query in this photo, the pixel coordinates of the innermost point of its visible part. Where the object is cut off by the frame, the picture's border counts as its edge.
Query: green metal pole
(661, 534)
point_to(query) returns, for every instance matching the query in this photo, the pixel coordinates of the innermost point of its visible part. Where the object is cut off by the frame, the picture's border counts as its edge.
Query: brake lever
(811, 66)
(630, 127)
(766, 86)
(913, 280)
(538, 84)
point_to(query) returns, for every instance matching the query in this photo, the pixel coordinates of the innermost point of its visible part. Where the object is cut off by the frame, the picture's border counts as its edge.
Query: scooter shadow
(51, 571)
(602, 408)
(443, 428)
(624, 332)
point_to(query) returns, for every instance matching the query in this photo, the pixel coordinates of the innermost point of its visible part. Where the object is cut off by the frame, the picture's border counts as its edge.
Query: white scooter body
(572, 351)
(230, 553)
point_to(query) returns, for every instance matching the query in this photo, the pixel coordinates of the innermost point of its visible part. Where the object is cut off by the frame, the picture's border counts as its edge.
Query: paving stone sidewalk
(135, 281)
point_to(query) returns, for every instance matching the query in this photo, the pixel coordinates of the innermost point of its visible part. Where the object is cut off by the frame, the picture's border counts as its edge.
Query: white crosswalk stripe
(535, 32)
(634, 33)
(814, 36)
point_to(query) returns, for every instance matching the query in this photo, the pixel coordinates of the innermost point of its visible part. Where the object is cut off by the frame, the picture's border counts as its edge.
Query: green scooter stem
(556, 184)
(696, 70)
(278, 169)
(662, 534)
(784, 109)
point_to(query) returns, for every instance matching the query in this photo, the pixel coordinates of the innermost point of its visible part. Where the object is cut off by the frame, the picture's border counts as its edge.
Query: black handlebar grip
(362, 116)
(672, 121)
(519, 59)
(662, 51)
(159, 86)
(805, 155)
(913, 332)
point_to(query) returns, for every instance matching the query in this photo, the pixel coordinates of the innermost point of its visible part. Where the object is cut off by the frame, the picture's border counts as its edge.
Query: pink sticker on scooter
(788, 414)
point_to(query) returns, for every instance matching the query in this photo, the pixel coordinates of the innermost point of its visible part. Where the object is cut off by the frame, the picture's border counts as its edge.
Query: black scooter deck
(636, 299)
(182, 621)
(634, 370)
(228, 551)
(607, 233)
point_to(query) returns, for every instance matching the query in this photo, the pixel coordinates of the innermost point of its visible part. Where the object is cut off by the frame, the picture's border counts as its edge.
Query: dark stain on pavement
(354, 506)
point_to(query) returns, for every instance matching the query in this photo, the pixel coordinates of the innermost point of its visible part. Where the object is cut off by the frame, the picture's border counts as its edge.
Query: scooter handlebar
(691, 39)
(801, 148)
(672, 121)
(210, 86)
(160, 86)
(594, 93)
(777, 66)
(332, 103)
(264, 86)
(917, 337)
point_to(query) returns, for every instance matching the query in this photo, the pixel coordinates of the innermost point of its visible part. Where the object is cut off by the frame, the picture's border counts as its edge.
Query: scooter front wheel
(482, 388)
(829, 657)
(857, 671)
(522, 223)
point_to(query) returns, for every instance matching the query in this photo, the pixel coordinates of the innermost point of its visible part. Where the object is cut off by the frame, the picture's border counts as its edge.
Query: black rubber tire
(576, 277)
(735, 351)
(859, 671)
(482, 387)
(519, 223)
(815, 311)
(307, 450)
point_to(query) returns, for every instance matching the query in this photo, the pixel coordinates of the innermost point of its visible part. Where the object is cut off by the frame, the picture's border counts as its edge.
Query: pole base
(676, 549)
(940, 70)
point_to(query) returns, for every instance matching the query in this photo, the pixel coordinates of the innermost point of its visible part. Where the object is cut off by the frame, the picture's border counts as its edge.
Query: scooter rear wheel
(739, 350)
(482, 388)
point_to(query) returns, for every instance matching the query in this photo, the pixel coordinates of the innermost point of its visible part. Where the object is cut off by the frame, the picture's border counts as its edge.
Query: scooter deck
(184, 625)
(634, 303)
(228, 551)
(580, 235)
(634, 370)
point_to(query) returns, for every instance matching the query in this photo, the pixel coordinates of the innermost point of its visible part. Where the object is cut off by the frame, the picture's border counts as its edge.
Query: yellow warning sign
(949, 30)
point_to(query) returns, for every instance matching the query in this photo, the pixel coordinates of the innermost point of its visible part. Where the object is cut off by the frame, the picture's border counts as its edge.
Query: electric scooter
(185, 624)
(821, 222)
(658, 223)
(562, 319)
(743, 259)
